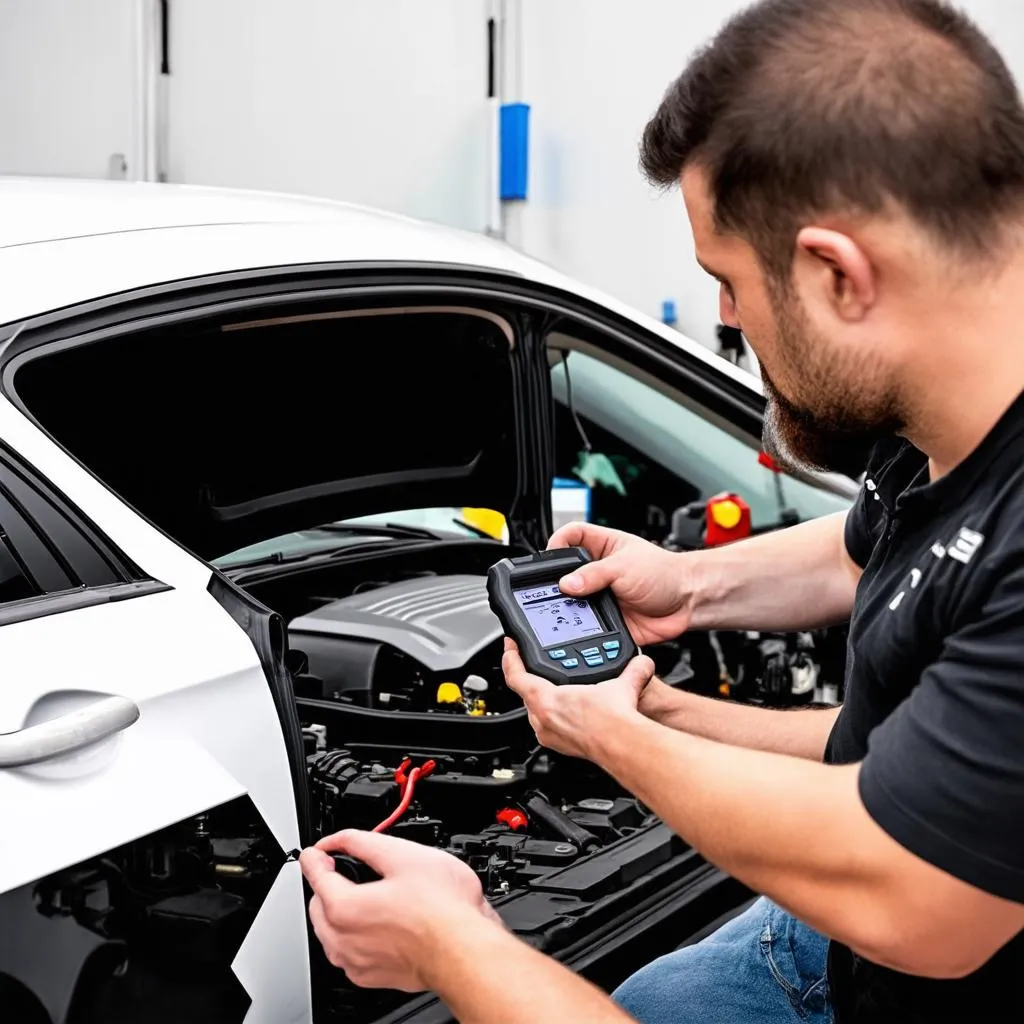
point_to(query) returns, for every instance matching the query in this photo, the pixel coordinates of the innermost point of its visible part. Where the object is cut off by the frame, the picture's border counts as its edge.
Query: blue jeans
(762, 966)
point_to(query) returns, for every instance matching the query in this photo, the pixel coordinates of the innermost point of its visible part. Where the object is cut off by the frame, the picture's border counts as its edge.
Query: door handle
(68, 733)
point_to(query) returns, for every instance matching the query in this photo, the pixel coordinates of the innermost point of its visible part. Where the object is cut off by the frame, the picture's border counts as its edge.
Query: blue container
(668, 312)
(515, 149)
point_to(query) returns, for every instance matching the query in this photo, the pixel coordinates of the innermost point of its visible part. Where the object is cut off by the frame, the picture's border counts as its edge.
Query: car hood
(228, 434)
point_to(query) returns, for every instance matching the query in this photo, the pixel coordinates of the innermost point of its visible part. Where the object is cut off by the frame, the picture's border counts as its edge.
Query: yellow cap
(449, 693)
(726, 514)
(486, 519)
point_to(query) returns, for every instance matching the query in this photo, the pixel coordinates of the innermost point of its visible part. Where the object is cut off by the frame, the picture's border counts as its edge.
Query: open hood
(224, 433)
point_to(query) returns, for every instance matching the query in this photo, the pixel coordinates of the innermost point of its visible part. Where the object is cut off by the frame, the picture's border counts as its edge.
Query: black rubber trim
(191, 292)
(81, 597)
(269, 637)
(231, 293)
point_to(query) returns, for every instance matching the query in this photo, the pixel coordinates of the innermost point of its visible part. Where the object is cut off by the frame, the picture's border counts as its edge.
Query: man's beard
(843, 410)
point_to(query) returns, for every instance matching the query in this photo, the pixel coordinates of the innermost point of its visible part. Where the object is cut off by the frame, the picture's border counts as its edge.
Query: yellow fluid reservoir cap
(449, 693)
(726, 514)
(486, 519)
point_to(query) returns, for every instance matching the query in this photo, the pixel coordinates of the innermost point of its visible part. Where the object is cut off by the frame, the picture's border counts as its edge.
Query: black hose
(544, 813)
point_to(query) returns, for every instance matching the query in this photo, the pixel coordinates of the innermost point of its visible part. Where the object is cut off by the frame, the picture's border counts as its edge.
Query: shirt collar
(956, 486)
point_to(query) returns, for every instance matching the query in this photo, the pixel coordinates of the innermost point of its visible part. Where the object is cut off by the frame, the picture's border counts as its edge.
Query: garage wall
(379, 102)
(68, 86)
(383, 102)
(595, 71)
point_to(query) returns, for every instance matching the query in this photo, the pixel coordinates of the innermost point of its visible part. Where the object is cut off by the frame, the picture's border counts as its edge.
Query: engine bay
(562, 853)
(407, 726)
(430, 644)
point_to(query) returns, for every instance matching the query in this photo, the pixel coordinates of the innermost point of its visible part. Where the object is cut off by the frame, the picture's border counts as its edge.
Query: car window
(51, 552)
(442, 522)
(650, 454)
(15, 584)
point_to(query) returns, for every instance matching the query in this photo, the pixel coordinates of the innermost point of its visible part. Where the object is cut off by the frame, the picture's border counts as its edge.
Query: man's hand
(649, 582)
(386, 934)
(568, 718)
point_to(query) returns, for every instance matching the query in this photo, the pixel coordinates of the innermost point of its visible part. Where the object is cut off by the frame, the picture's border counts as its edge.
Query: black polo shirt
(934, 704)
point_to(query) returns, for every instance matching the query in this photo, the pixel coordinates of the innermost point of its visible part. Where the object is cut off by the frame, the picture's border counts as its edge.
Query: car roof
(65, 241)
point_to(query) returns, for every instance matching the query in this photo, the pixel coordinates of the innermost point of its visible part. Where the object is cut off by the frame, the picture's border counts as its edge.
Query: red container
(728, 519)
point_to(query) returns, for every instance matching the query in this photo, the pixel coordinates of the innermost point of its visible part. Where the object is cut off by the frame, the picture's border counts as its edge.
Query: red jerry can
(728, 519)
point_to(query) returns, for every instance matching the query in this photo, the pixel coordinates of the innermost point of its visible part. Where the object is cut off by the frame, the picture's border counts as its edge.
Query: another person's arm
(426, 926)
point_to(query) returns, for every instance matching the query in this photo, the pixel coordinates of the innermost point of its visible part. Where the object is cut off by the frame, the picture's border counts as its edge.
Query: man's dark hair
(799, 108)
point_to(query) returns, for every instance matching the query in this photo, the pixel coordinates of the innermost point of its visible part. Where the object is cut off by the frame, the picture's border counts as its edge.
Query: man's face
(828, 402)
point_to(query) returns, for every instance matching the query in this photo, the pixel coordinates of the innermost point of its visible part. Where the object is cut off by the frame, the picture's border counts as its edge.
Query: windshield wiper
(475, 530)
(274, 558)
(385, 530)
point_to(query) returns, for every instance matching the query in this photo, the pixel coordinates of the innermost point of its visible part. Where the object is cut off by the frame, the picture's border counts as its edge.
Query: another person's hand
(384, 934)
(570, 718)
(649, 582)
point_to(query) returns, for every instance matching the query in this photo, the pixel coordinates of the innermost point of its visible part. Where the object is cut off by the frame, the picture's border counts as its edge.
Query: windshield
(425, 523)
(641, 437)
(645, 435)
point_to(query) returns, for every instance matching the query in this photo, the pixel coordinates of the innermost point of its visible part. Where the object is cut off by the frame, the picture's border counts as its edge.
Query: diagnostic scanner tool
(561, 638)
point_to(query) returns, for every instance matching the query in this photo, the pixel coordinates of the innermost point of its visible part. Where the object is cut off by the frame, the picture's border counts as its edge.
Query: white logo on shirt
(966, 543)
(962, 549)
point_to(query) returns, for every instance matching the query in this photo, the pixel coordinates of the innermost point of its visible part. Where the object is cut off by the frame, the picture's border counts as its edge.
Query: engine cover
(440, 621)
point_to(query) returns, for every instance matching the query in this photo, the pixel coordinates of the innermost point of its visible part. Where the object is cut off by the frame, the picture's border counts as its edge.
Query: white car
(206, 665)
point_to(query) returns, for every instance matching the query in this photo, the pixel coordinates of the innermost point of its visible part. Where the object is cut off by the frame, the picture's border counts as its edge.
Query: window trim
(81, 597)
(72, 583)
(81, 525)
(46, 571)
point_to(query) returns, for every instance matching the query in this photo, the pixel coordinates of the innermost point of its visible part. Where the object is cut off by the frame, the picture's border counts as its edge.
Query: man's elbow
(931, 953)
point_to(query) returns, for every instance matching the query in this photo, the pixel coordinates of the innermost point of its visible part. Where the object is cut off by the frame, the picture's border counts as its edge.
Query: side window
(650, 453)
(15, 584)
(47, 548)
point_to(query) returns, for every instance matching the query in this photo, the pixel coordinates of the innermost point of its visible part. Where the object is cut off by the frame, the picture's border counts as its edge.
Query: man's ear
(831, 268)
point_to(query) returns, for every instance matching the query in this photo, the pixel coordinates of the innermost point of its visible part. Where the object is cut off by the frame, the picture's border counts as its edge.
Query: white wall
(68, 86)
(594, 71)
(382, 102)
(375, 101)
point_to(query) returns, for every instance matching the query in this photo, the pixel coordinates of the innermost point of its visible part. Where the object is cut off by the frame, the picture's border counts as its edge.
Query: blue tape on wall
(515, 147)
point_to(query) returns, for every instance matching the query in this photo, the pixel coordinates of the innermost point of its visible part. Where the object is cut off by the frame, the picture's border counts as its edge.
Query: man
(853, 171)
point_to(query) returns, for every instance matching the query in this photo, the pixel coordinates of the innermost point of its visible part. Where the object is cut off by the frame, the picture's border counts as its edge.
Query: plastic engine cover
(441, 621)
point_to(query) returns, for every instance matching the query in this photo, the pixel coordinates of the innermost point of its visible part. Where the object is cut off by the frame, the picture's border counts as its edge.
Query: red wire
(403, 804)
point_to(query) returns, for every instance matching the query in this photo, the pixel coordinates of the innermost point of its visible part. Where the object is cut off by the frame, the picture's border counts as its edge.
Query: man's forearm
(792, 830)
(798, 578)
(799, 733)
(552, 993)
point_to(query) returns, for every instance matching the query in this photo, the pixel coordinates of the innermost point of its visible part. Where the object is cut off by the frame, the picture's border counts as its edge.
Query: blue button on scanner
(594, 662)
(611, 645)
(571, 663)
(591, 652)
(556, 655)
(612, 655)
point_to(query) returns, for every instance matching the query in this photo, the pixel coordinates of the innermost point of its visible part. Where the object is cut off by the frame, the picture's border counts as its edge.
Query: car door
(147, 859)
